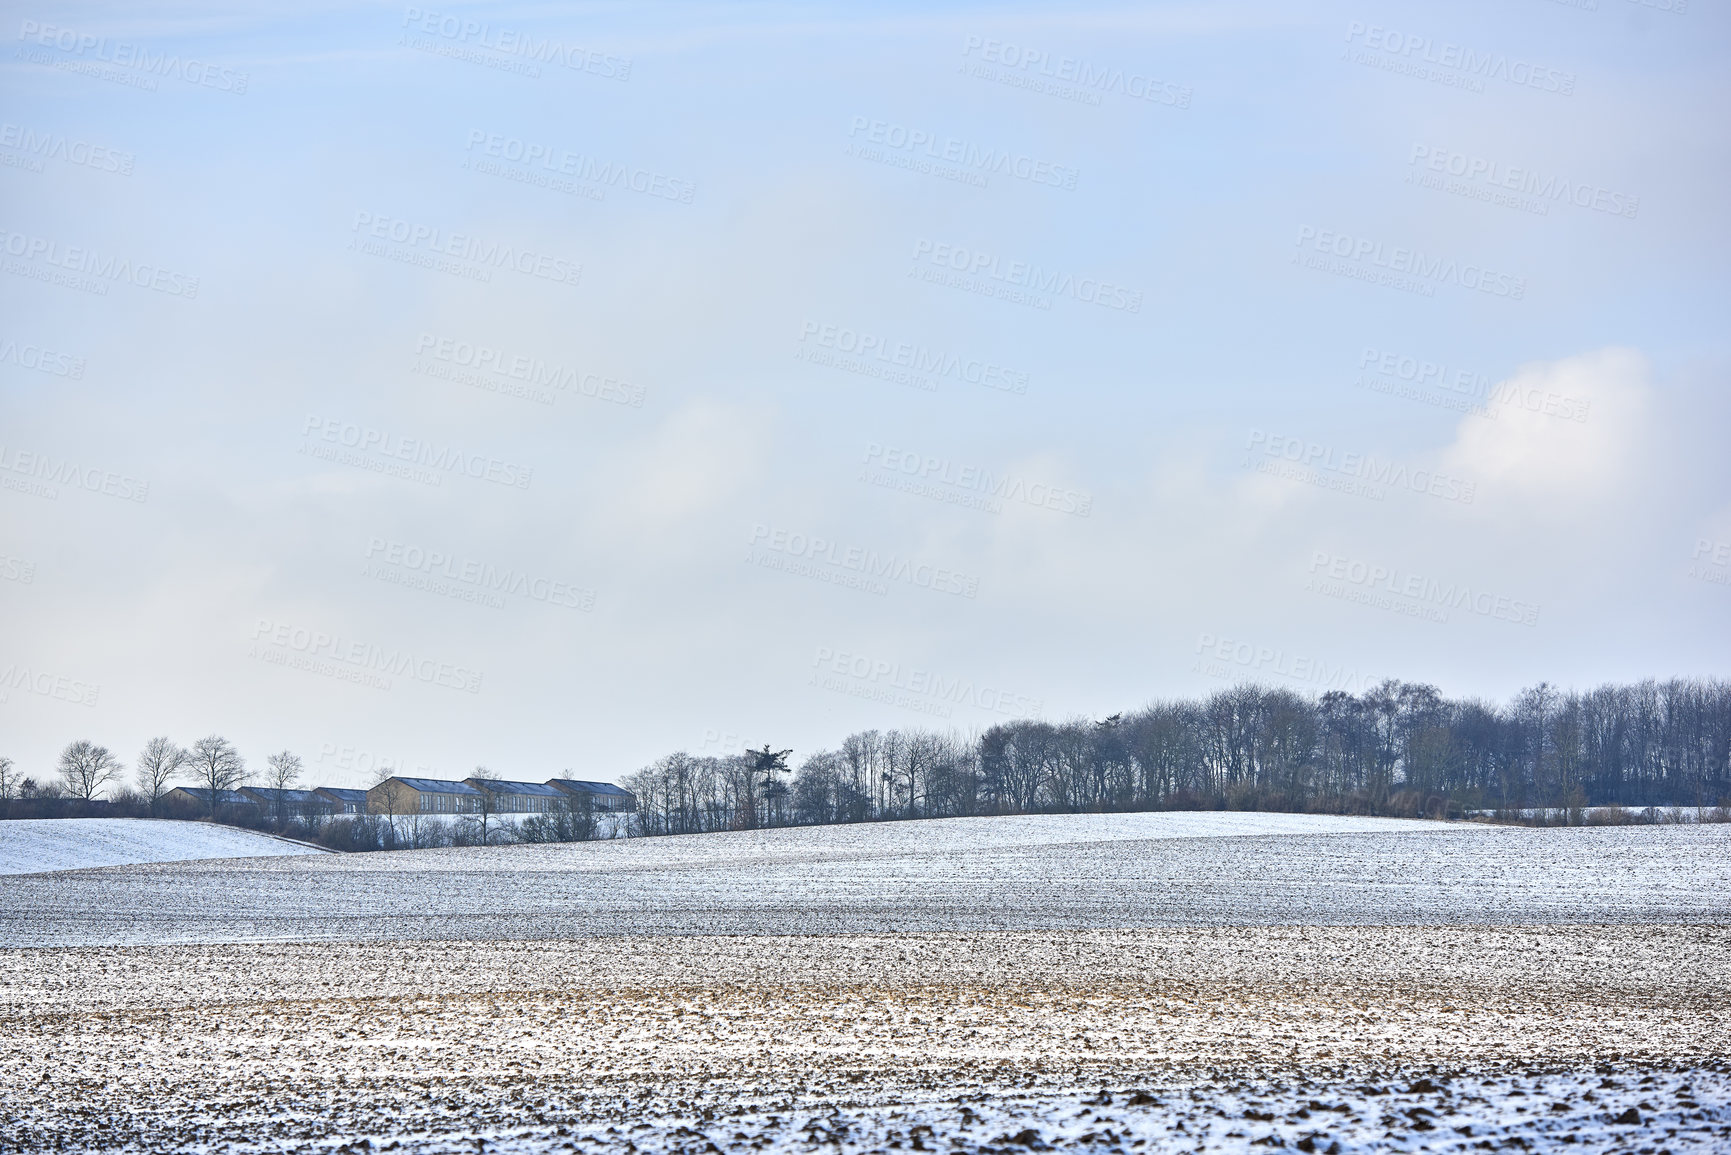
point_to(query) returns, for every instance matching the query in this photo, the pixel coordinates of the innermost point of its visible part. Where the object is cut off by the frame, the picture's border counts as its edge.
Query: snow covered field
(953, 836)
(29, 846)
(1432, 1112)
(1059, 872)
(504, 827)
(1595, 815)
(1230, 982)
(1403, 1035)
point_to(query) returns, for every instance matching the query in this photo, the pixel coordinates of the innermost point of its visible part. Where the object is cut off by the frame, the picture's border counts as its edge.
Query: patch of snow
(1062, 872)
(1311, 1040)
(40, 845)
(1581, 1111)
(1650, 814)
(1377, 1039)
(943, 836)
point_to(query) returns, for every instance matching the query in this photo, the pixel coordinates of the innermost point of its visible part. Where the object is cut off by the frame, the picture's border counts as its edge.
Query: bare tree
(489, 805)
(158, 763)
(576, 819)
(569, 820)
(86, 767)
(391, 801)
(8, 786)
(216, 766)
(284, 770)
(1399, 748)
(768, 763)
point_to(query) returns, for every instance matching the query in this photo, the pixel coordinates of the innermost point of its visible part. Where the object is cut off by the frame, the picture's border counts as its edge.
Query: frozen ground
(30, 845)
(1132, 984)
(1558, 814)
(1608, 1110)
(1231, 1038)
(880, 839)
(1430, 1112)
(606, 825)
(1063, 872)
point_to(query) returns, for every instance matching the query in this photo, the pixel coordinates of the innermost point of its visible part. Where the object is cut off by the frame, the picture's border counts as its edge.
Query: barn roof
(498, 786)
(202, 793)
(434, 785)
(578, 786)
(271, 793)
(342, 792)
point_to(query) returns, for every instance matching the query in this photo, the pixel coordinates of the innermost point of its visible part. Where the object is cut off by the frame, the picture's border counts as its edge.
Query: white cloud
(703, 456)
(1578, 429)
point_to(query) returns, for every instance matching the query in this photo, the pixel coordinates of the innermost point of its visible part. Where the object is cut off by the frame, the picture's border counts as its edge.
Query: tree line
(1401, 748)
(85, 770)
(89, 780)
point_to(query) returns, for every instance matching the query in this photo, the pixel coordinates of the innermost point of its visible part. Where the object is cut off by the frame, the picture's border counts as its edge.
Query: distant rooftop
(579, 786)
(273, 793)
(498, 786)
(435, 785)
(225, 796)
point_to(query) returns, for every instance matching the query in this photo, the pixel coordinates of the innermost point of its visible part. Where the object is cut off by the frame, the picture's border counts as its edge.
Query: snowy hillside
(32, 846)
(1068, 872)
(946, 837)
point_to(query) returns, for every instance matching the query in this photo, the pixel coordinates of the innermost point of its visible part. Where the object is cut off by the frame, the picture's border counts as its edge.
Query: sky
(552, 387)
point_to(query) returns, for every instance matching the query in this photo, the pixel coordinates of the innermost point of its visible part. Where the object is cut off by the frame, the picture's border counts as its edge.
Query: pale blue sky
(1278, 136)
